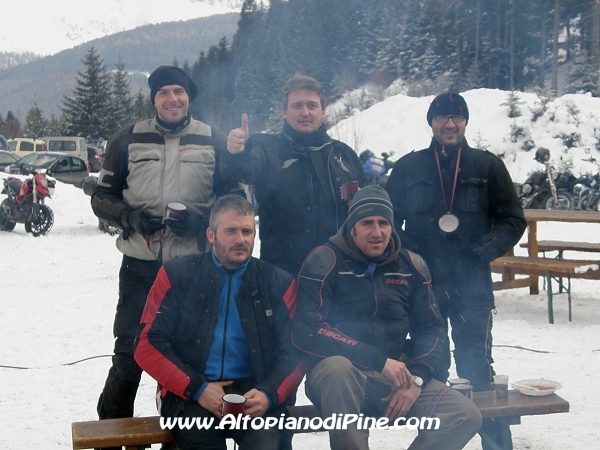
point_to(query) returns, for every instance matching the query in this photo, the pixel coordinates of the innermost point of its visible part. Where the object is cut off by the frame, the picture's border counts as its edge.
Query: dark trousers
(472, 338)
(214, 439)
(336, 386)
(118, 396)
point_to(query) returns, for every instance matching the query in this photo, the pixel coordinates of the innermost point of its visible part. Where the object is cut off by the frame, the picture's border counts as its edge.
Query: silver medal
(448, 223)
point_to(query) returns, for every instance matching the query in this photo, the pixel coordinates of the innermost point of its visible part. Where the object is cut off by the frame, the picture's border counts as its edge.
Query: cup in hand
(501, 385)
(175, 211)
(233, 404)
(349, 189)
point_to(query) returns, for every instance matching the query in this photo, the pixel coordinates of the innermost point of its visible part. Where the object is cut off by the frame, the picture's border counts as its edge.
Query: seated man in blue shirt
(219, 323)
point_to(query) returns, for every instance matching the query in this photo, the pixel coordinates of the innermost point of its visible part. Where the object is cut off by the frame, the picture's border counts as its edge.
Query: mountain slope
(46, 80)
(48, 27)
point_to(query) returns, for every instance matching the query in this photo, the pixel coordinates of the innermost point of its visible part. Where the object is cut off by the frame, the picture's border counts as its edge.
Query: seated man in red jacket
(359, 296)
(217, 323)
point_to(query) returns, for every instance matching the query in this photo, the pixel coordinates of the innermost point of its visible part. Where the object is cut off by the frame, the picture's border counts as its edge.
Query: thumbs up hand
(237, 138)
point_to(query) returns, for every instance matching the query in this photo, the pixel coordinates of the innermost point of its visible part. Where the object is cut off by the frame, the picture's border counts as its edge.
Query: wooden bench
(550, 268)
(562, 246)
(140, 432)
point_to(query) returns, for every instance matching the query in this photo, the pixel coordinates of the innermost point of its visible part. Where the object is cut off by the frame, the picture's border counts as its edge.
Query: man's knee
(472, 418)
(333, 367)
(467, 416)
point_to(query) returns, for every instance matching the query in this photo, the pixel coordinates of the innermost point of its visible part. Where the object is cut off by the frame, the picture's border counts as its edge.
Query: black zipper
(225, 327)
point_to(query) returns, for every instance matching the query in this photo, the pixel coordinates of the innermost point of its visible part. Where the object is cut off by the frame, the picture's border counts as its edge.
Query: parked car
(67, 144)
(7, 158)
(95, 156)
(66, 168)
(3, 143)
(25, 146)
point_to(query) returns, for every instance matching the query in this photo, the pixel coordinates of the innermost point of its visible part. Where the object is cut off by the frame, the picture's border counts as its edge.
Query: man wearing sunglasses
(458, 208)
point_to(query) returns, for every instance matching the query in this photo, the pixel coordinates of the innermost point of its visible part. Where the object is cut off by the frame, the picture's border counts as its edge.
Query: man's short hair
(301, 82)
(233, 202)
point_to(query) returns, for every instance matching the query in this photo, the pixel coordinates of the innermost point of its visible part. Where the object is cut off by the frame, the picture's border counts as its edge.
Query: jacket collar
(345, 243)
(308, 141)
(224, 271)
(171, 128)
(447, 150)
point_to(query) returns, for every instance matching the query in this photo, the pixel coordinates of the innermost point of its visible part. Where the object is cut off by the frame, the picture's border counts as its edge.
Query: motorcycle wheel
(39, 222)
(5, 223)
(564, 201)
(110, 230)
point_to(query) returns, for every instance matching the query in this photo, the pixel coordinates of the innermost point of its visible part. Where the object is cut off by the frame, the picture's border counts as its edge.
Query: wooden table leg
(532, 250)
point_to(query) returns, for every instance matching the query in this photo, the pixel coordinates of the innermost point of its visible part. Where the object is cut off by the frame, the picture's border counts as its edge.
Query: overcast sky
(44, 27)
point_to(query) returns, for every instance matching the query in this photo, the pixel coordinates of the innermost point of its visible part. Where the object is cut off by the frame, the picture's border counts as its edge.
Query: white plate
(545, 387)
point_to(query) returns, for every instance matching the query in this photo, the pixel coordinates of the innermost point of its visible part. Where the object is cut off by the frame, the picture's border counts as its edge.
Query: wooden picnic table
(533, 216)
(535, 266)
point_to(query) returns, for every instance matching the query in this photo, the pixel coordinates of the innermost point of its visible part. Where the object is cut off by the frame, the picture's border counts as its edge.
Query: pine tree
(54, 126)
(142, 107)
(12, 127)
(120, 108)
(85, 112)
(35, 124)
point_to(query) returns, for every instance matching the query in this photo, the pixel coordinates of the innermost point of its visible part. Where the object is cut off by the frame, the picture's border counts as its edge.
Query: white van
(24, 146)
(67, 144)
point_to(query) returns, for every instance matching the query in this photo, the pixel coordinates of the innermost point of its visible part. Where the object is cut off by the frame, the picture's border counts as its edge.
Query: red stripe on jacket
(150, 359)
(289, 298)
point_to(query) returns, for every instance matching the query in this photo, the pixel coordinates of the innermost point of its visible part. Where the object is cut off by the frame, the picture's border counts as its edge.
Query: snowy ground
(59, 293)
(58, 296)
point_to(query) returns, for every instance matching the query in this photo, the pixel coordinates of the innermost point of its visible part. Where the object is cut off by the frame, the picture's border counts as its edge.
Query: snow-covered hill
(569, 127)
(46, 28)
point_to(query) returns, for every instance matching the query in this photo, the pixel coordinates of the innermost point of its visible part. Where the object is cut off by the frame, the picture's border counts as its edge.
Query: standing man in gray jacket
(169, 158)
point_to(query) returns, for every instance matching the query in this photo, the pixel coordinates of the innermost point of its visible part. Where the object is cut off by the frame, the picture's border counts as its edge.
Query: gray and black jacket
(148, 166)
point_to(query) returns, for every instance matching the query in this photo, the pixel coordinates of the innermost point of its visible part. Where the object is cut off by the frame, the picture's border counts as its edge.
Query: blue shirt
(228, 356)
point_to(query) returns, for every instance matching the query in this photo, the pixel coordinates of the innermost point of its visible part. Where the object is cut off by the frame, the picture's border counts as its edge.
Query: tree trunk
(543, 45)
(594, 48)
(555, 47)
(511, 46)
(477, 32)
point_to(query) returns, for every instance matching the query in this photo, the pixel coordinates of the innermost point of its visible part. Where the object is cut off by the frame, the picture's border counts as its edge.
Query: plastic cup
(501, 385)
(464, 389)
(233, 404)
(349, 189)
(175, 211)
(454, 381)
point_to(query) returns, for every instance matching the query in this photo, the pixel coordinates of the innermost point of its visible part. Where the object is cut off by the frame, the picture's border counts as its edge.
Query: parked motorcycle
(25, 202)
(546, 189)
(89, 183)
(587, 189)
(377, 168)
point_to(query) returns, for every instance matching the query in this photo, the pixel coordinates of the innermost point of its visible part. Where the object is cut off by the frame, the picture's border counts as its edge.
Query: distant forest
(430, 45)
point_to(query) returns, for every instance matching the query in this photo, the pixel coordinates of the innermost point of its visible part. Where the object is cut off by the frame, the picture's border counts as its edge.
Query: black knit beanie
(167, 75)
(447, 104)
(369, 201)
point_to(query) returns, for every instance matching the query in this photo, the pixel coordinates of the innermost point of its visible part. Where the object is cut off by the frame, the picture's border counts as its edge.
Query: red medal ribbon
(437, 161)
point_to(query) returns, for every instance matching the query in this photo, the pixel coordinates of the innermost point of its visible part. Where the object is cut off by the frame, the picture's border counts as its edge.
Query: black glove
(188, 225)
(142, 221)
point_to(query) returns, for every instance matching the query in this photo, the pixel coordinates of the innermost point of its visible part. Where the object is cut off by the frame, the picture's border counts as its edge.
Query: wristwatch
(417, 380)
